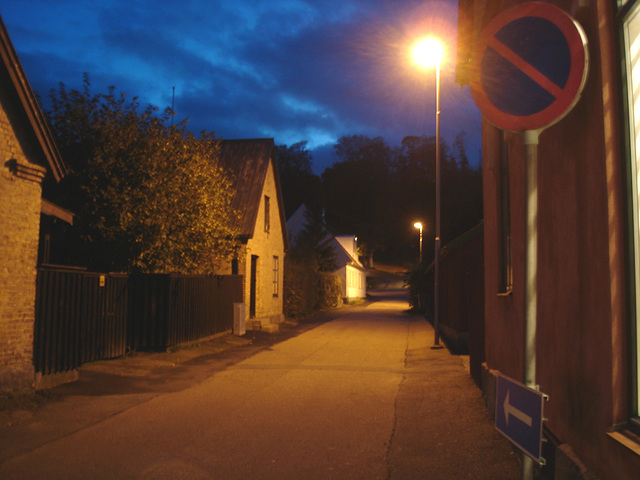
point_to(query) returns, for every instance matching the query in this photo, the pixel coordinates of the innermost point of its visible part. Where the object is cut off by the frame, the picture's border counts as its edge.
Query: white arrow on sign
(511, 410)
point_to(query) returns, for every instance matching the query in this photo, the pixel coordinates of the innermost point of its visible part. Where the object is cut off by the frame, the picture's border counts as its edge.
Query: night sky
(293, 70)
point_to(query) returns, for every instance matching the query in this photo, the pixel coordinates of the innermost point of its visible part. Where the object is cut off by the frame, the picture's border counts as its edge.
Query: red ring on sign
(577, 42)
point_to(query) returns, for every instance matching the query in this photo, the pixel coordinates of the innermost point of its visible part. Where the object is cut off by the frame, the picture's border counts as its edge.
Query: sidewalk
(441, 429)
(108, 387)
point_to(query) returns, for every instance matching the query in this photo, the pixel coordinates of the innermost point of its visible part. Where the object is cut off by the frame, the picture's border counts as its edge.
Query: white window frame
(631, 53)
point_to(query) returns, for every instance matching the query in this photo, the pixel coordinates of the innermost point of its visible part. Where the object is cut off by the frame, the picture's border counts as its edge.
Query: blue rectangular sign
(519, 415)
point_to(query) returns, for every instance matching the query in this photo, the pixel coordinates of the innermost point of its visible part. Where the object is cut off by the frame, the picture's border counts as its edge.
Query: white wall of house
(351, 271)
(355, 284)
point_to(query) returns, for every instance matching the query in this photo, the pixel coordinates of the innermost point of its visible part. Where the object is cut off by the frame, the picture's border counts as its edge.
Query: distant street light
(418, 225)
(428, 53)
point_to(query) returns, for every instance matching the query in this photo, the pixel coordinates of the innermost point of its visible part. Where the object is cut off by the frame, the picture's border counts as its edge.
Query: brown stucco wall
(20, 200)
(503, 313)
(583, 324)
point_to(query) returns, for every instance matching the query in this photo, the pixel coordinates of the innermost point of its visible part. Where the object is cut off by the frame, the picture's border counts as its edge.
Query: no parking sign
(529, 66)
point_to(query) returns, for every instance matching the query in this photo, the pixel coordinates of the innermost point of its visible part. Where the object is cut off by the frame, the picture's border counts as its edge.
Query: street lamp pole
(436, 259)
(428, 53)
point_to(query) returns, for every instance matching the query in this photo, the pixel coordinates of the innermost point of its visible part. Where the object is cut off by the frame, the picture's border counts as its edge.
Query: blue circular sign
(529, 67)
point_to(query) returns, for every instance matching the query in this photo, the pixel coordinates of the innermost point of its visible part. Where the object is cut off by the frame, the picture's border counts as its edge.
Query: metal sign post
(530, 65)
(531, 274)
(530, 138)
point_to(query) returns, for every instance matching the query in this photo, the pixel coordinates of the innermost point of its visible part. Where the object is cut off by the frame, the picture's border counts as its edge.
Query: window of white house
(276, 276)
(631, 47)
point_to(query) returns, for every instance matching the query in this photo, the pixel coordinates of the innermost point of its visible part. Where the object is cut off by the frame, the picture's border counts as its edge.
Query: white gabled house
(350, 270)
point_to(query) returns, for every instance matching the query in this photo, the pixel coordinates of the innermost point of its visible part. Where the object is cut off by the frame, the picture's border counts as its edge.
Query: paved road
(359, 397)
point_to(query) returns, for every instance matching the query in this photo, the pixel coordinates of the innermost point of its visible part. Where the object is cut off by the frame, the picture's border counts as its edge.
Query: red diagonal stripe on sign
(526, 67)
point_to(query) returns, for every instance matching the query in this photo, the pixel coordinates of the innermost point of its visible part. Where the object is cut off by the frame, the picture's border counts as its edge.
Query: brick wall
(20, 198)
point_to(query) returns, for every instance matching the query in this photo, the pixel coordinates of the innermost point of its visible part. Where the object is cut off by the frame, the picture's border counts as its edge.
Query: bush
(307, 291)
(419, 279)
(299, 292)
(329, 287)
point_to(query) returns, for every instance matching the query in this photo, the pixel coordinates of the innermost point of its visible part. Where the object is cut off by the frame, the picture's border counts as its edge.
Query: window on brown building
(630, 21)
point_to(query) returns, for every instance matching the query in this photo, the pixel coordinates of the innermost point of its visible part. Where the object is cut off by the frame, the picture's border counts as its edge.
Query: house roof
(344, 248)
(36, 139)
(247, 162)
(297, 222)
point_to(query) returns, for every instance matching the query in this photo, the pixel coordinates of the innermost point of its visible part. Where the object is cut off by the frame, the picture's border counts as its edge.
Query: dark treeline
(378, 192)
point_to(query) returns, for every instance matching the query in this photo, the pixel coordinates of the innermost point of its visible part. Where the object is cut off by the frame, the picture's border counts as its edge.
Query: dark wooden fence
(174, 309)
(83, 316)
(462, 296)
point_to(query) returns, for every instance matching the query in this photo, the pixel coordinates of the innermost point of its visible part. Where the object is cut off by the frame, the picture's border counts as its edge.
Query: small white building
(350, 270)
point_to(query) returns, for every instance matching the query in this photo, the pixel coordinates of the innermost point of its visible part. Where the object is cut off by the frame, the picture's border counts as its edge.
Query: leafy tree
(356, 191)
(313, 245)
(374, 152)
(461, 203)
(419, 280)
(299, 183)
(378, 193)
(461, 193)
(310, 284)
(148, 197)
(413, 193)
(460, 146)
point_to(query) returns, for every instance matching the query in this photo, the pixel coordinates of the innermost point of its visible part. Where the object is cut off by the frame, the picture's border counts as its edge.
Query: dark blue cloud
(293, 70)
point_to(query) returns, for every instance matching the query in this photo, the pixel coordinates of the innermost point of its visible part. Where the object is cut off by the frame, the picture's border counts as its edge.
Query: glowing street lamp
(428, 53)
(418, 225)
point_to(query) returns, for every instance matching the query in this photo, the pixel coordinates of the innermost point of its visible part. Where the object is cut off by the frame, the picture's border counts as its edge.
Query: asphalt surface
(355, 394)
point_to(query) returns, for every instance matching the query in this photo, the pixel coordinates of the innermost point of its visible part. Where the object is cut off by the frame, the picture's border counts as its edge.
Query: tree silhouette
(299, 184)
(378, 193)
